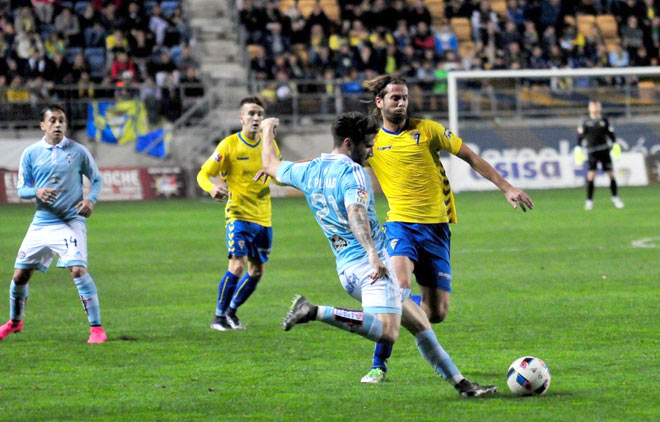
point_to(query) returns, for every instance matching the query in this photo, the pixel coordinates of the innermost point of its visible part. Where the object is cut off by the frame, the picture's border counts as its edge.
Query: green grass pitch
(559, 283)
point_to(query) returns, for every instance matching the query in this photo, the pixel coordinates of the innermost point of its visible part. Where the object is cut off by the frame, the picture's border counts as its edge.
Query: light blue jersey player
(338, 192)
(51, 171)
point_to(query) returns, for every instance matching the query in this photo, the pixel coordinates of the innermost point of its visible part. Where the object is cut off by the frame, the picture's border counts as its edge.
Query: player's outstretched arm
(359, 222)
(514, 195)
(269, 157)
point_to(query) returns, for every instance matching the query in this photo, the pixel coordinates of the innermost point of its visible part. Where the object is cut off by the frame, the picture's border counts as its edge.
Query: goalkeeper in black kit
(596, 140)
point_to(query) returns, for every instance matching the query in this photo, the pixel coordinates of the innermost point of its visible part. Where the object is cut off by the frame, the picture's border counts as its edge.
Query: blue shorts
(427, 245)
(248, 239)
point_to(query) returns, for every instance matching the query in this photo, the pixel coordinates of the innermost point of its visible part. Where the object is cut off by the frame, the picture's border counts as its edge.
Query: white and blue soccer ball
(528, 376)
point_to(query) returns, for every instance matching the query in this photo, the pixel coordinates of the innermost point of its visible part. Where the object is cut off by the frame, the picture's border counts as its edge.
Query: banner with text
(119, 184)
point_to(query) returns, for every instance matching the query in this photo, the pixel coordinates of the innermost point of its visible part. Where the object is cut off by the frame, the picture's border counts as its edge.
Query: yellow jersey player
(248, 230)
(421, 204)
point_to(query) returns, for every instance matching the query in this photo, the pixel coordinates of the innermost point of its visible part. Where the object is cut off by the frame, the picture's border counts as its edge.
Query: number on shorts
(73, 241)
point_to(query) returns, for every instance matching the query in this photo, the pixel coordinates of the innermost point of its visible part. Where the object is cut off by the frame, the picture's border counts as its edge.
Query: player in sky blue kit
(338, 191)
(51, 171)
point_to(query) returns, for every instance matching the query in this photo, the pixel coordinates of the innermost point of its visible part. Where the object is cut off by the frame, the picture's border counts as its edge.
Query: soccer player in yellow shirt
(248, 233)
(421, 205)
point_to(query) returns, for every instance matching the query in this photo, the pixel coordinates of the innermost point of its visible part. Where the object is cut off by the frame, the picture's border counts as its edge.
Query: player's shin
(226, 289)
(244, 289)
(437, 357)
(359, 322)
(18, 294)
(89, 298)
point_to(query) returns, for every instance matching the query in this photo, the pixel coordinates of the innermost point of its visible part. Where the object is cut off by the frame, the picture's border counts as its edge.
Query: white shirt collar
(62, 144)
(333, 157)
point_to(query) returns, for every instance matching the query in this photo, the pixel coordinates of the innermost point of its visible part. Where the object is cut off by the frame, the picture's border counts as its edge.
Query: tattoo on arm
(360, 226)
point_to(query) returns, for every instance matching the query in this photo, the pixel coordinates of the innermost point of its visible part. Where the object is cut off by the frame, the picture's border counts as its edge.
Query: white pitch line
(647, 243)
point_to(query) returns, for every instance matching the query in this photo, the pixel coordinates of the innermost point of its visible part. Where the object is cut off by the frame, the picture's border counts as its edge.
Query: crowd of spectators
(400, 36)
(55, 50)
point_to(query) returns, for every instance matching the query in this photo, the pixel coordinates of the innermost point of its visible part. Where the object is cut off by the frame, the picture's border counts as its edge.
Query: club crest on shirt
(338, 243)
(393, 243)
(69, 158)
(362, 197)
(415, 135)
(217, 157)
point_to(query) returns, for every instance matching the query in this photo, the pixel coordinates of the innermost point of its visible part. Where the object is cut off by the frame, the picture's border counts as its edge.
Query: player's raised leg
(380, 327)
(18, 293)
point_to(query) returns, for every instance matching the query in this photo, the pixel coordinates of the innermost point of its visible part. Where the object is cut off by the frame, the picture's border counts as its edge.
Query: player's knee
(236, 266)
(390, 332)
(438, 313)
(77, 271)
(21, 276)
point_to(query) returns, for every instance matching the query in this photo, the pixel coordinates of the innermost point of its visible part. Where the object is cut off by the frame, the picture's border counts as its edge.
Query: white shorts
(381, 297)
(42, 243)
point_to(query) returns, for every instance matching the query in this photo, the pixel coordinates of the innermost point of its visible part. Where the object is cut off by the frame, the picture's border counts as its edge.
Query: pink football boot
(97, 335)
(10, 327)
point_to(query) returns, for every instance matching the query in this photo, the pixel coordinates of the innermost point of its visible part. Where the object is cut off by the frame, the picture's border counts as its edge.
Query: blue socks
(362, 323)
(226, 289)
(18, 294)
(245, 288)
(434, 354)
(382, 352)
(89, 298)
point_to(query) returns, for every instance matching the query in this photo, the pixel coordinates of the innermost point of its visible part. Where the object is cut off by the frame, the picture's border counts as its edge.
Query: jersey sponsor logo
(242, 158)
(393, 243)
(362, 197)
(384, 148)
(338, 243)
(217, 157)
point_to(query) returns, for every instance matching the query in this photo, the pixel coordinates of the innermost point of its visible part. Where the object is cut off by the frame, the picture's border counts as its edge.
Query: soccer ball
(528, 376)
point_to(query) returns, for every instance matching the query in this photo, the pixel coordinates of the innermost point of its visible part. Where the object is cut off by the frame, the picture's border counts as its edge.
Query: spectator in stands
(551, 14)
(116, 40)
(641, 58)
(186, 60)
(85, 86)
(59, 70)
(619, 57)
(530, 37)
(110, 19)
(515, 12)
(254, 18)
(163, 69)
(191, 83)
(141, 46)
(420, 14)
(178, 32)
(123, 68)
(54, 44)
(158, 24)
(95, 36)
(24, 21)
(276, 42)
(345, 60)
(44, 10)
(622, 10)
(38, 93)
(79, 67)
(27, 42)
(632, 37)
(35, 65)
(423, 39)
(67, 23)
(445, 39)
(136, 19)
(480, 18)
(88, 18)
